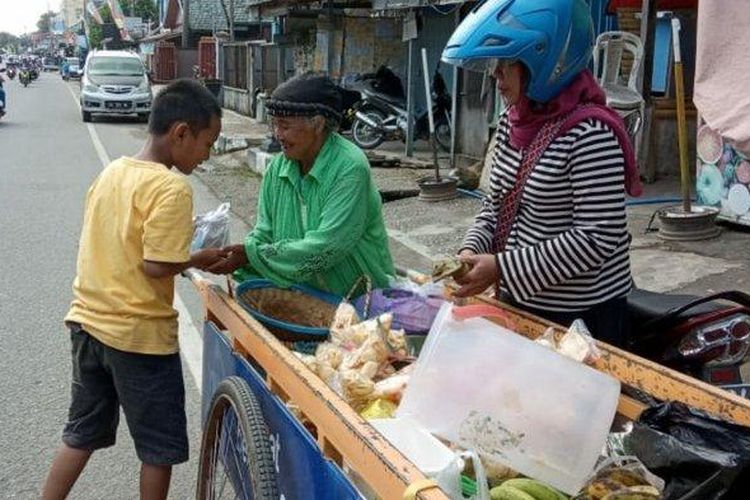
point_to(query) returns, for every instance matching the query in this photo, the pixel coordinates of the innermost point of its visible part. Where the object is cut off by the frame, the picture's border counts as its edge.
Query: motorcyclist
(24, 75)
(2, 96)
(65, 70)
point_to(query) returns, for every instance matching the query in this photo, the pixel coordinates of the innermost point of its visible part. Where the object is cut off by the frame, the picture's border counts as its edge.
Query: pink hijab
(583, 99)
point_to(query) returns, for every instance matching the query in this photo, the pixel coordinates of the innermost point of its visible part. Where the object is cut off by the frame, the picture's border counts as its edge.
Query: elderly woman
(319, 220)
(552, 235)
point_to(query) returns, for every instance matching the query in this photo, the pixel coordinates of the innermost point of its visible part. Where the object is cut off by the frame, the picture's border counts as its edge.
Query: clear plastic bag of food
(211, 230)
(576, 343)
(393, 387)
(619, 477)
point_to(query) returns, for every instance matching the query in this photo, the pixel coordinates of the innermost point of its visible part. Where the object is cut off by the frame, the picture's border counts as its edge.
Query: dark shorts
(149, 388)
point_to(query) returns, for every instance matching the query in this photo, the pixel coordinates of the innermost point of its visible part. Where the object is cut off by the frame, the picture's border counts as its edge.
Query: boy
(135, 238)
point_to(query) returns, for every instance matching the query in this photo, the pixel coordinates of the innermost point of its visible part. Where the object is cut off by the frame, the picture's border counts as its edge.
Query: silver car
(115, 83)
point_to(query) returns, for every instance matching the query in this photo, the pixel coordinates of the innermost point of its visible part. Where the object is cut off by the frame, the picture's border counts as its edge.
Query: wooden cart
(308, 461)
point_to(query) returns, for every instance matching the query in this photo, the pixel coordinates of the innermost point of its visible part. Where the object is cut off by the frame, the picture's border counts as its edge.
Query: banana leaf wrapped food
(449, 267)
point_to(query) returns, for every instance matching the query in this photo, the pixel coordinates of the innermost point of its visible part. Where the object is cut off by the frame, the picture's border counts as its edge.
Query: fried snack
(374, 349)
(345, 317)
(310, 361)
(356, 389)
(397, 342)
(328, 354)
(369, 370)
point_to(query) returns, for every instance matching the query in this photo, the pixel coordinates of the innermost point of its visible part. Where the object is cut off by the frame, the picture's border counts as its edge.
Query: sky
(20, 16)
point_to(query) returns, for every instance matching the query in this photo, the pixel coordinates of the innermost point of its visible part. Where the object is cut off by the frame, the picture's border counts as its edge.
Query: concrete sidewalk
(421, 232)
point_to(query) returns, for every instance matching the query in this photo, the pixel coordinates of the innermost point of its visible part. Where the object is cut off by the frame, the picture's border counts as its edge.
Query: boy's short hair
(183, 100)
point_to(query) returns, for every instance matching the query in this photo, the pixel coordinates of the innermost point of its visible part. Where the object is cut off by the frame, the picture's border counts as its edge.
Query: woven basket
(293, 314)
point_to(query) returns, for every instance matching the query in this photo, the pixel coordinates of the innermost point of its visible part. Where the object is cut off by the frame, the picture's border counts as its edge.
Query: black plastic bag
(699, 456)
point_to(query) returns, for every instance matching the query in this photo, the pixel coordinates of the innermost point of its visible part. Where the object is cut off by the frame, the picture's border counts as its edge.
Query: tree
(8, 40)
(44, 24)
(145, 9)
(96, 35)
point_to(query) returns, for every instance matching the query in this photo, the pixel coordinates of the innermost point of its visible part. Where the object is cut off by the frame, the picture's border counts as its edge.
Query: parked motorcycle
(350, 100)
(381, 115)
(706, 337)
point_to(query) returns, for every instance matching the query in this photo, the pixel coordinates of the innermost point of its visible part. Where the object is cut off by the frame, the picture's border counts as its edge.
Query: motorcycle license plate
(118, 105)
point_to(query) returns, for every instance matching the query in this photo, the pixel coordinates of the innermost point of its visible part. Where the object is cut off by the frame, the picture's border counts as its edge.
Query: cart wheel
(236, 460)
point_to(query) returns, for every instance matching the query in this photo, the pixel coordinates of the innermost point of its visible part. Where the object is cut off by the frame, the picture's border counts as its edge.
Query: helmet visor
(489, 65)
(480, 65)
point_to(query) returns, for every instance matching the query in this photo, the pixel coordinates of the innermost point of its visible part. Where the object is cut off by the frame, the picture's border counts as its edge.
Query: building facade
(71, 11)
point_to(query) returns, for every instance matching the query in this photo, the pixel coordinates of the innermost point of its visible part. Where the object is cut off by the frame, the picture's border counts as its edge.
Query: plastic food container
(492, 390)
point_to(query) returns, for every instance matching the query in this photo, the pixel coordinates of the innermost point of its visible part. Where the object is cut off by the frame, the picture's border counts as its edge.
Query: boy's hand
(204, 259)
(235, 259)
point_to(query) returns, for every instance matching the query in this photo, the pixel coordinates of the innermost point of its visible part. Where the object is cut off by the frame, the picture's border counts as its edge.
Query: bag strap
(511, 201)
(367, 282)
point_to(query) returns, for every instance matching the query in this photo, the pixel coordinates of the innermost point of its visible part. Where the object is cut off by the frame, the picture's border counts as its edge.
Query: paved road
(47, 161)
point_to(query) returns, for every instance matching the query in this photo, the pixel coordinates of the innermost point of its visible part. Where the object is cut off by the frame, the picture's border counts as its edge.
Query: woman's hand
(207, 257)
(484, 273)
(235, 259)
(466, 253)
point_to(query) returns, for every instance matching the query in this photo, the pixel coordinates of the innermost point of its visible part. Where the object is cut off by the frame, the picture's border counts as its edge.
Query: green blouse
(324, 229)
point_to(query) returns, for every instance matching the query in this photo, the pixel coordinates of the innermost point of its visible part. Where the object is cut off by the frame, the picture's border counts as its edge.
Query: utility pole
(186, 24)
(231, 20)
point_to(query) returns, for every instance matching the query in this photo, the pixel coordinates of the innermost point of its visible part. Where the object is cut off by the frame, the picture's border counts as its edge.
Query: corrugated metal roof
(209, 15)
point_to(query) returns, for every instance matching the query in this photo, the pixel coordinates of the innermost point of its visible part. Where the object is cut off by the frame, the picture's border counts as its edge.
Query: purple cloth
(412, 312)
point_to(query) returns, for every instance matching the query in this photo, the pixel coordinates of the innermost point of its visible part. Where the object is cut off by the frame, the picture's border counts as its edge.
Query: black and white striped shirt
(568, 247)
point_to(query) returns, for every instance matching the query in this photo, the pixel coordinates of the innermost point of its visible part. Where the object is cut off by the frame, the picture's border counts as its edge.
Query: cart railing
(343, 436)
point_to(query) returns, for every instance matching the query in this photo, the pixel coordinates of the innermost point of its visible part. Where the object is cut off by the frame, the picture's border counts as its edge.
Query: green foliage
(106, 13)
(96, 35)
(44, 24)
(145, 9)
(8, 40)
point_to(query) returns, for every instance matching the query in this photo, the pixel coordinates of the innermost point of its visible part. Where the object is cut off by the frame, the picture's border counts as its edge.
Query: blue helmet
(552, 38)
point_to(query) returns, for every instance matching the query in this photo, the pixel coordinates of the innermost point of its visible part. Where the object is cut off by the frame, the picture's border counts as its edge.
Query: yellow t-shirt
(135, 211)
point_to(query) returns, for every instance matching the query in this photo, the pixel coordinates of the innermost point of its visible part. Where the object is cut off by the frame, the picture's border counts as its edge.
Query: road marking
(191, 342)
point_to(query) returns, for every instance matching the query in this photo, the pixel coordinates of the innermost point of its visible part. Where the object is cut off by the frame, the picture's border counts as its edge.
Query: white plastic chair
(621, 90)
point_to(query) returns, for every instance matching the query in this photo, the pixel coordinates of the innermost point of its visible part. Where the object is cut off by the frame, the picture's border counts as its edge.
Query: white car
(115, 83)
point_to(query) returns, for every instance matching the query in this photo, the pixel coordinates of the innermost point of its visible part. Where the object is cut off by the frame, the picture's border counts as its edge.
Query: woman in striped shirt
(552, 234)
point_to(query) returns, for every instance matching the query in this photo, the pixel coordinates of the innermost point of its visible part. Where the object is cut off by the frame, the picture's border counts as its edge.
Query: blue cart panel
(303, 471)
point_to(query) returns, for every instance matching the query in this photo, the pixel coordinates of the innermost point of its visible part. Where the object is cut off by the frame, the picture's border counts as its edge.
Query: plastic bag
(621, 477)
(483, 491)
(577, 343)
(699, 456)
(379, 408)
(211, 229)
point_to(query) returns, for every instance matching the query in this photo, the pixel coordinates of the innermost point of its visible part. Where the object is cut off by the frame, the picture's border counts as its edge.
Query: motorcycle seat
(396, 101)
(645, 306)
